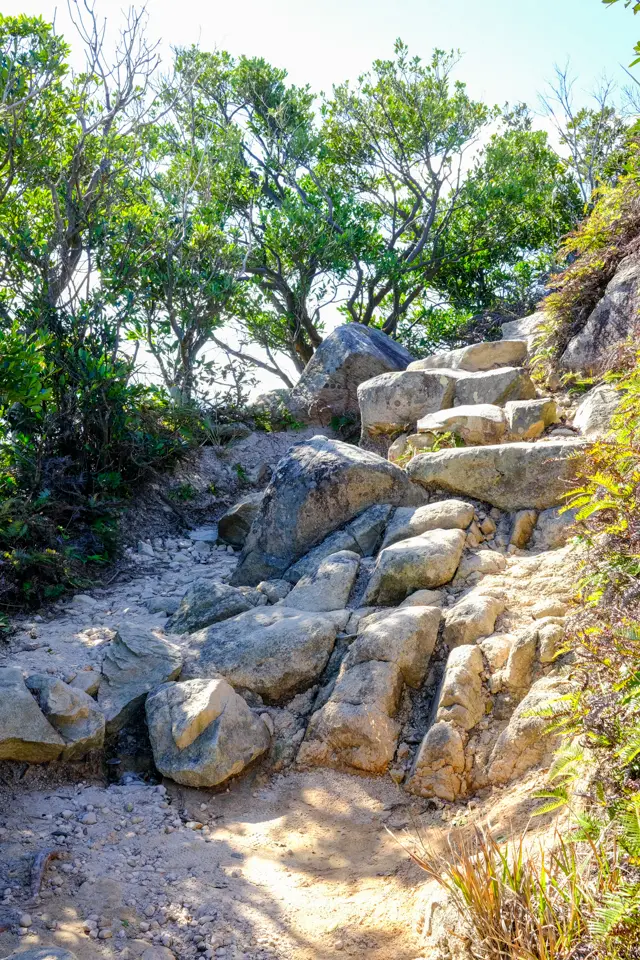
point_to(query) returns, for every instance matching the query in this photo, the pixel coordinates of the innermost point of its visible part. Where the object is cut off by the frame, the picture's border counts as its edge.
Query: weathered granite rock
(525, 329)
(494, 386)
(202, 732)
(274, 652)
(234, 525)
(523, 524)
(511, 476)
(517, 673)
(136, 661)
(25, 733)
(427, 561)
(318, 486)
(406, 637)
(614, 319)
(462, 700)
(481, 562)
(394, 402)
(593, 416)
(274, 590)
(413, 521)
(362, 535)
(439, 763)
(553, 528)
(329, 587)
(471, 617)
(355, 728)
(477, 357)
(347, 357)
(480, 423)
(523, 743)
(207, 602)
(72, 713)
(527, 419)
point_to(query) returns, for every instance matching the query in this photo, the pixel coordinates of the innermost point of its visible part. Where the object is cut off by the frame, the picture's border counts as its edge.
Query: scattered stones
(202, 732)
(274, 590)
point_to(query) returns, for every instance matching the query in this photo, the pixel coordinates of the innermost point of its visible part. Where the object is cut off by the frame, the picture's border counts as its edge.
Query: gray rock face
(207, 602)
(318, 486)
(25, 733)
(361, 536)
(427, 561)
(524, 329)
(512, 476)
(480, 423)
(495, 387)
(477, 356)
(346, 358)
(527, 419)
(136, 661)
(274, 590)
(610, 324)
(413, 521)
(329, 587)
(71, 712)
(275, 652)
(593, 416)
(356, 727)
(394, 402)
(202, 732)
(554, 528)
(234, 525)
(406, 637)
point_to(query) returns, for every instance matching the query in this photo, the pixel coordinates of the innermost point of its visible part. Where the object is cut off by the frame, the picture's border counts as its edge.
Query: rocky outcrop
(477, 357)
(25, 733)
(71, 712)
(512, 476)
(427, 561)
(329, 587)
(413, 521)
(235, 523)
(207, 602)
(274, 652)
(318, 487)
(202, 732)
(594, 413)
(346, 358)
(614, 319)
(136, 661)
(394, 402)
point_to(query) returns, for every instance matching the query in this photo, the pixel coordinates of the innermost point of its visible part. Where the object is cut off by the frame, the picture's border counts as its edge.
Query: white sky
(509, 47)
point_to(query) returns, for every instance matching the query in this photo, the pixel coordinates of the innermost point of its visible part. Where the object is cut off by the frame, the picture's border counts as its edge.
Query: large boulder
(511, 476)
(613, 321)
(594, 413)
(202, 732)
(25, 733)
(477, 356)
(406, 637)
(356, 726)
(361, 536)
(329, 587)
(427, 561)
(346, 358)
(394, 402)
(274, 652)
(73, 713)
(480, 423)
(235, 523)
(413, 521)
(494, 386)
(207, 602)
(136, 661)
(318, 486)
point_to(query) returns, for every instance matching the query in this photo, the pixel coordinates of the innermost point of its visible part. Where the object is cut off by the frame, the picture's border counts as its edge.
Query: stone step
(477, 357)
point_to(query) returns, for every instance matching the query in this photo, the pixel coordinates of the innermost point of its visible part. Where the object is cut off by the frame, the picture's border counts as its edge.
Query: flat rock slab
(318, 487)
(477, 356)
(479, 423)
(494, 386)
(512, 476)
(136, 661)
(413, 521)
(423, 562)
(202, 732)
(275, 652)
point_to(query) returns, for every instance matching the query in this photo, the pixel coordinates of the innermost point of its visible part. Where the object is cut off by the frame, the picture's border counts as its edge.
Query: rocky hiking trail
(237, 735)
